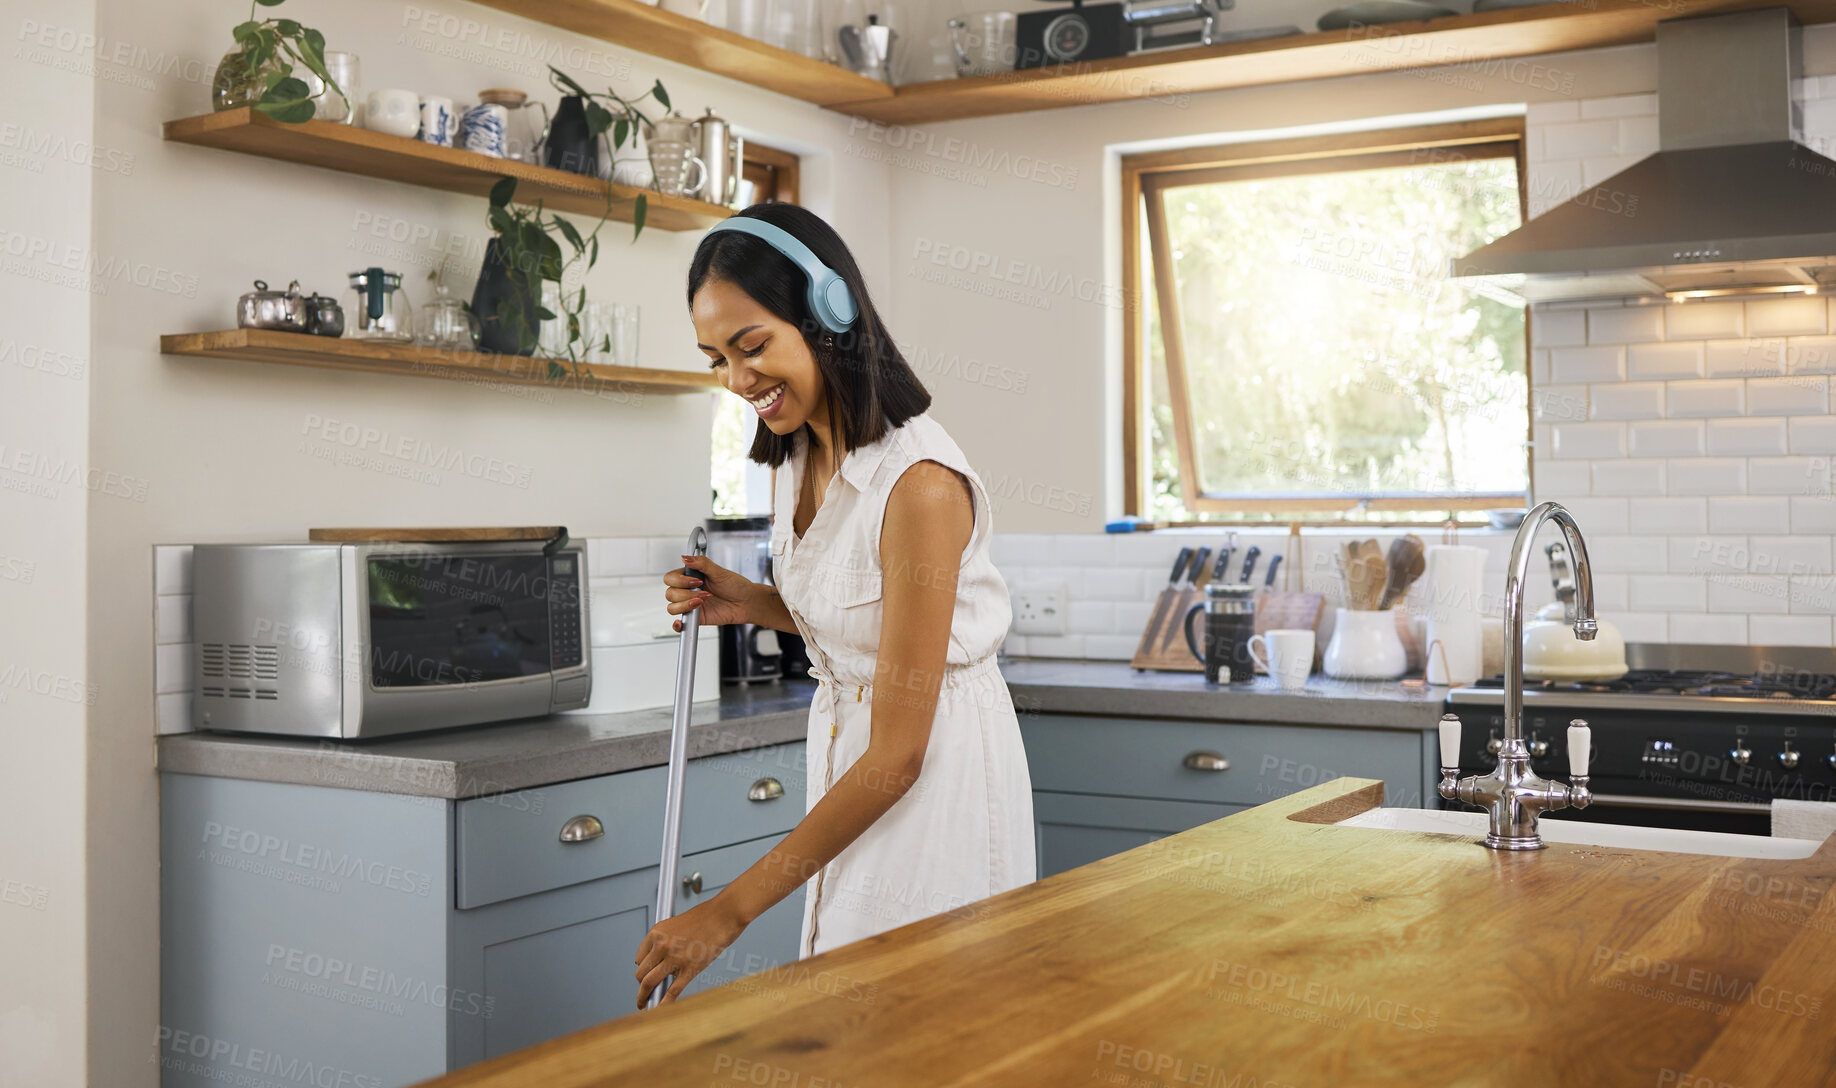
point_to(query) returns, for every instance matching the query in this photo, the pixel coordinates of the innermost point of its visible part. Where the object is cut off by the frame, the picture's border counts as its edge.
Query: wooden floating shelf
(1465, 42)
(411, 360)
(1456, 40)
(356, 150)
(685, 40)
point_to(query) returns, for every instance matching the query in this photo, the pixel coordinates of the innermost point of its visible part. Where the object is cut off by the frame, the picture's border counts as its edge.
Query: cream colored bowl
(1552, 652)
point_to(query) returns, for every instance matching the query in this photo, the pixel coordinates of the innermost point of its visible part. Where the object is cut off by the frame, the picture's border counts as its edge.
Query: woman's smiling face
(758, 355)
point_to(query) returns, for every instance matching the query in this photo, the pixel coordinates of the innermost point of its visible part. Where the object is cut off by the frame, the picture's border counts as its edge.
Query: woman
(919, 798)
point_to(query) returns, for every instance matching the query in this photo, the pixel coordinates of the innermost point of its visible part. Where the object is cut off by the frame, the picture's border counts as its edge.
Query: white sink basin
(1471, 824)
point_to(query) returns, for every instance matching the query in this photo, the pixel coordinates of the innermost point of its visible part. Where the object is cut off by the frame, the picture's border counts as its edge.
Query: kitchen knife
(1166, 598)
(1195, 575)
(1249, 562)
(1268, 580)
(1224, 553)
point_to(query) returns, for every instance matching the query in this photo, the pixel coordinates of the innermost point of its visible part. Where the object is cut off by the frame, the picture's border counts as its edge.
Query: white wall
(46, 683)
(233, 451)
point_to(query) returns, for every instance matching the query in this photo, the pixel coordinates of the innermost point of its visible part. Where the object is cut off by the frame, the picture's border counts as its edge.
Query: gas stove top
(1708, 679)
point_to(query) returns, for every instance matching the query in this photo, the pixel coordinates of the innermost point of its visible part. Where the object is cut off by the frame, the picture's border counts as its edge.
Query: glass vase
(236, 86)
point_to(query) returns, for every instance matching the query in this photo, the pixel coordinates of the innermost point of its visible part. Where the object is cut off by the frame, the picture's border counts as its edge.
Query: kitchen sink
(1580, 833)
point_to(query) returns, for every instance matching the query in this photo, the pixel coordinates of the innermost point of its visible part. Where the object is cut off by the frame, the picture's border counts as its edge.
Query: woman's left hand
(683, 946)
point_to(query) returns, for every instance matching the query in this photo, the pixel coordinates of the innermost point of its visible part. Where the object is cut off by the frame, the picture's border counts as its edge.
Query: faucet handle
(1450, 740)
(1580, 743)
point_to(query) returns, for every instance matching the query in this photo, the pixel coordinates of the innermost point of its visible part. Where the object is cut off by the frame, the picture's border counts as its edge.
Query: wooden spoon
(1405, 563)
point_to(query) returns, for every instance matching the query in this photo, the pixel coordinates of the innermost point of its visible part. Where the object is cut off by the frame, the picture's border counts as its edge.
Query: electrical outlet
(1040, 608)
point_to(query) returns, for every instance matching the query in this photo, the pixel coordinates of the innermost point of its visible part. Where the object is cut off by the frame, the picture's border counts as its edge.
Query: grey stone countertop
(481, 760)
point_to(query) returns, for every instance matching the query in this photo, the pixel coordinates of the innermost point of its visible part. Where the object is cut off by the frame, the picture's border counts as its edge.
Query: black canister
(571, 145)
(1230, 623)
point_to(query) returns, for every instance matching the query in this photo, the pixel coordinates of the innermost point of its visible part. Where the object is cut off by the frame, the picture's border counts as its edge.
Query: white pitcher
(1365, 646)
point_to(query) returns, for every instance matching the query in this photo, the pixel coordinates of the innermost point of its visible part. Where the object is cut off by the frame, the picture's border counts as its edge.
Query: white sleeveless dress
(965, 829)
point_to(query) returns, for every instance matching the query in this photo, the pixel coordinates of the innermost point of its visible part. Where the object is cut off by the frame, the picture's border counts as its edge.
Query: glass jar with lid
(446, 322)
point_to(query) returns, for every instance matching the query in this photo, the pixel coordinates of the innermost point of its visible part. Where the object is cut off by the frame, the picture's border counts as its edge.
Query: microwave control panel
(564, 635)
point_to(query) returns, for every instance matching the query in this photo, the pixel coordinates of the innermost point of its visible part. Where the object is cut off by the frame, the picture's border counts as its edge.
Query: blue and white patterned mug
(437, 121)
(483, 127)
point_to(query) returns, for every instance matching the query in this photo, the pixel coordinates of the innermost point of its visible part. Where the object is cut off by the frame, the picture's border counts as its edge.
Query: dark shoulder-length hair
(871, 389)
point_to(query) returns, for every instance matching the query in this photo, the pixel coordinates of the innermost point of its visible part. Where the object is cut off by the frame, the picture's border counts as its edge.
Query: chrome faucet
(1513, 793)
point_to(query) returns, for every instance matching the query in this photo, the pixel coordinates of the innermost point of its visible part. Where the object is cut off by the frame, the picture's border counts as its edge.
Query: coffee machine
(749, 653)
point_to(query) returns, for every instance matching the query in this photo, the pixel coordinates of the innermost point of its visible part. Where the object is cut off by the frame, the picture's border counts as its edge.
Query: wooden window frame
(1146, 176)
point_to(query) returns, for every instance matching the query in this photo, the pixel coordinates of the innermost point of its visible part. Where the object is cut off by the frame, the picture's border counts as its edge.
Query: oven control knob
(1788, 758)
(1494, 745)
(1740, 753)
(1538, 746)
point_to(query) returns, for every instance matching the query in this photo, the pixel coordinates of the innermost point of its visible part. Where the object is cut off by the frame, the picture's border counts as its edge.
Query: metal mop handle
(678, 756)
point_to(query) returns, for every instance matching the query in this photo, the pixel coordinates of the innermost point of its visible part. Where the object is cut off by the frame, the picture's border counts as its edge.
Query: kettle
(1552, 652)
(723, 153)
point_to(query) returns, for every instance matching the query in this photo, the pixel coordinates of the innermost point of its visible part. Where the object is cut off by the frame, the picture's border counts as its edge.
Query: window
(740, 487)
(1299, 352)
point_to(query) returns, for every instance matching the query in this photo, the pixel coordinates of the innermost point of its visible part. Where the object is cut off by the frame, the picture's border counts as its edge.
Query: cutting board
(1290, 610)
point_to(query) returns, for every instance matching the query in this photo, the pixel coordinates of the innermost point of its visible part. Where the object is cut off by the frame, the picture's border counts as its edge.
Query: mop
(678, 758)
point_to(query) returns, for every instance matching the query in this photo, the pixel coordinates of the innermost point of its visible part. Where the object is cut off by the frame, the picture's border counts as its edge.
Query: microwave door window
(443, 620)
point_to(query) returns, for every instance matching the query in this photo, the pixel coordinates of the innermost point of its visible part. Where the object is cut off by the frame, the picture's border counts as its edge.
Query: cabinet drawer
(718, 808)
(511, 845)
(1075, 829)
(1127, 757)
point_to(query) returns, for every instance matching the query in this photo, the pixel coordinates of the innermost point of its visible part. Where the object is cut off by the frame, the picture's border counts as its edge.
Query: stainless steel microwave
(367, 640)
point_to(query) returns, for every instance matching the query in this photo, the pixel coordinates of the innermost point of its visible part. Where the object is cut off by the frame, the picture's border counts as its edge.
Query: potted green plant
(526, 250)
(259, 71)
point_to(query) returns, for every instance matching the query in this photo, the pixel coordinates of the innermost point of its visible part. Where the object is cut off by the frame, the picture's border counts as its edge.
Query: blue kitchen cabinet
(384, 939)
(1103, 785)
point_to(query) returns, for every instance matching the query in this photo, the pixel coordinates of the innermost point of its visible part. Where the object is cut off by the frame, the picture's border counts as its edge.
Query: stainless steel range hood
(1730, 203)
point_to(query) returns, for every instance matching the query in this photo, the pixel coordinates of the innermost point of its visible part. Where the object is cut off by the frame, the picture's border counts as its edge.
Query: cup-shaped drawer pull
(765, 789)
(1204, 760)
(582, 829)
(692, 884)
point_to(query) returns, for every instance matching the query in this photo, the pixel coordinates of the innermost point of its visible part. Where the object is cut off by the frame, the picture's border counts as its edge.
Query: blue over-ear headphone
(829, 298)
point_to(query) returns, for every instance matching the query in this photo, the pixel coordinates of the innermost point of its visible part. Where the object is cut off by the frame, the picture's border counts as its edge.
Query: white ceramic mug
(1290, 656)
(438, 122)
(394, 111)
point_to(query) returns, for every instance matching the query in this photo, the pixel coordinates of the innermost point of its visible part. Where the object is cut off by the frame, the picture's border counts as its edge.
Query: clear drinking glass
(596, 328)
(551, 338)
(347, 70)
(625, 334)
(753, 18)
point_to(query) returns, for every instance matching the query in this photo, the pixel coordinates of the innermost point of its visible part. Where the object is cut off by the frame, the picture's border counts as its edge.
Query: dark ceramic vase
(495, 284)
(570, 145)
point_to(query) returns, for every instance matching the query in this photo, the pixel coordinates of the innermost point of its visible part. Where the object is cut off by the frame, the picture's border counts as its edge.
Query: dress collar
(861, 463)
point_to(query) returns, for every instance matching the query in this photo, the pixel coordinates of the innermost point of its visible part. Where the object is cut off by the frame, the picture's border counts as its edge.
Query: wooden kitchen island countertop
(1270, 949)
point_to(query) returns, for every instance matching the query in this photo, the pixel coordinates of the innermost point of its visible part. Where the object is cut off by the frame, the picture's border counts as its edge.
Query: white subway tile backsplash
(1638, 135)
(1789, 630)
(1710, 397)
(1789, 555)
(1557, 403)
(1596, 170)
(1746, 437)
(1542, 114)
(1708, 554)
(174, 712)
(1055, 645)
(1668, 515)
(1809, 355)
(1788, 475)
(1592, 364)
(1627, 554)
(1619, 105)
(1111, 647)
(1711, 630)
(1563, 480)
(172, 667)
(1625, 325)
(1743, 358)
(1666, 593)
(1747, 593)
(1625, 400)
(665, 554)
(1599, 515)
(1091, 618)
(1669, 438)
(1707, 476)
(1132, 616)
(1749, 514)
(172, 619)
(1589, 440)
(1083, 549)
(1813, 514)
(1812, 594)
(1611, 591)
(613, 556)
(1558, 328)
(1704, 320)
(1805, 316)
(1581, 139)
(1798, 395)
(1115, 584)
(1539, 366)
(1628, 478)
(1646, 362)
(1813, 434)
(1553, 182)
(1643, 626)
(171, 568)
